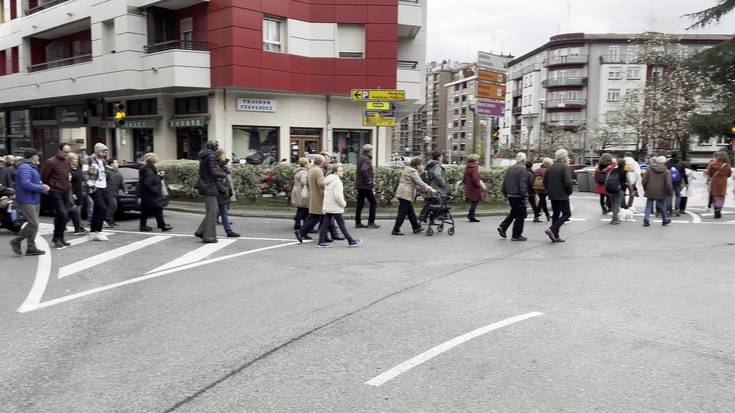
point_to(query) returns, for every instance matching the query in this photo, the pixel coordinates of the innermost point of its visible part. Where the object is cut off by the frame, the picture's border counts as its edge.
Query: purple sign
(490, 108)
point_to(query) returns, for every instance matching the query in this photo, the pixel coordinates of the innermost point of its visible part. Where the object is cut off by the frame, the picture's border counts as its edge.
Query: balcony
(573, 123)
(177, 45)
(68, 61)
(43, 5)
(171, 4)
(411, 18)
(565, 81)
(516, 110)
(566, 60)
(565, 103)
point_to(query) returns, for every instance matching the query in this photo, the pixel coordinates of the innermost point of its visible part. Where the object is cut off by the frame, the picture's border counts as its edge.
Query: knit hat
(99, 147)
(367, 147)
(29, 153)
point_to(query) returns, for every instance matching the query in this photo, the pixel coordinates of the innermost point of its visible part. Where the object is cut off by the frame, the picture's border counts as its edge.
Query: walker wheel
(429, 232)
(450, 231)
(440, 228)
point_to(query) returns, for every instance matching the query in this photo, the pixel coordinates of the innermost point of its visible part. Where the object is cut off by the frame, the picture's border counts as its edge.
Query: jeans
(541, 205)
(473, 208)
(208, 227)
(562, 213)
(328, 218)
(152, 212)
(300, 218)
(111, 208)
(632, 193)
(88, 207)
(605, 203)
(61, 205)
(30, 229)
(362, 195)
(517, 216)
(616, 201)
(660, 204)
(675, 201)
(405, 209)
(76, 218)
(99, 198)
(225, 217)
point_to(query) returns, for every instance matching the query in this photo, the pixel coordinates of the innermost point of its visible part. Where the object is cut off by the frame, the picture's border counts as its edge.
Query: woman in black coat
(150, 190)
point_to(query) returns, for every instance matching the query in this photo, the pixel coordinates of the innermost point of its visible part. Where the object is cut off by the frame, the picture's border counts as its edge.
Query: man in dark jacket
(658, 188)
(558, 184)
(365, 185)
(6, 175)
(56, 174)
(515, 188)
(209, 172)
(678, 183)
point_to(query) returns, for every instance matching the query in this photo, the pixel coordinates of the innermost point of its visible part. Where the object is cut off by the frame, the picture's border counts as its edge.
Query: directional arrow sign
(371, 95)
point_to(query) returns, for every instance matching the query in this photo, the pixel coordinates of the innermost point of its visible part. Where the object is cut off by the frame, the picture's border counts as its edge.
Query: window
(613, 95)
(348, 144)
(351, 40)
(631, 54)
(632, 95)
(634, 73)
(456, 124)
(186, 29)
(657, 73)
(47, 113)
(142, 143)
(251, 140)
(462, 147)
(574, 51)
(273, 34)
(615, 73)
(142, 107)
(613, 53)
(456, 112)
(463, 135)
(198, 104)
(455, 136)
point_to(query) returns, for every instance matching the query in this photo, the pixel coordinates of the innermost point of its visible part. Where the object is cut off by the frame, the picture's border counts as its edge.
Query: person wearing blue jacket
(28, 190)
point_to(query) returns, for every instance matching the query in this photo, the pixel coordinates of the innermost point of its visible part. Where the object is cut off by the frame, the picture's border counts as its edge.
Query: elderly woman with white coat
(409, 185)
(334, 207)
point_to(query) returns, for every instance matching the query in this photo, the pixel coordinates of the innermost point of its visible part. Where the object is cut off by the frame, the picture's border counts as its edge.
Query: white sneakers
(98, 236)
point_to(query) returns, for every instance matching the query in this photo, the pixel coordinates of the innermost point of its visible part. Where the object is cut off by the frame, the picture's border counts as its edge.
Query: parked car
(129, 200)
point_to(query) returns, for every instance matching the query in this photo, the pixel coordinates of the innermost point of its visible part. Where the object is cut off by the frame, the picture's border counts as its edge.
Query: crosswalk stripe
(98, 259)
(195, 255)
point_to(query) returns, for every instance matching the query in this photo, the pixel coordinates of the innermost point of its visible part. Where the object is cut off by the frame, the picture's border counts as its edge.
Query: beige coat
(410, 183)
(316, 190)
(300, 186)
(334, 195)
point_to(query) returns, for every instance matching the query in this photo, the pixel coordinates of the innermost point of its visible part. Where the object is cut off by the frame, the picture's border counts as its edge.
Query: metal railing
(407, 64)
(68, 61)
(565, 60)
(565, 81)
(177, 45)
(565, 103)
(44, 5)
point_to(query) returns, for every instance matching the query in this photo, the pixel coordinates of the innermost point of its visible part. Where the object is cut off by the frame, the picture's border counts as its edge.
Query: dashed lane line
(98, 259)
(441, 348)
(195, 255)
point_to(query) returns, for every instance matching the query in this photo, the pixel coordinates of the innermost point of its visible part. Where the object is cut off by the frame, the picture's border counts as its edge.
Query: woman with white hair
(515, 188)
(558, 184)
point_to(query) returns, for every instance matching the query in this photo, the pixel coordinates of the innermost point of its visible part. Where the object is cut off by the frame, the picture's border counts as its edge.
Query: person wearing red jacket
(473, 183)
(57, 174)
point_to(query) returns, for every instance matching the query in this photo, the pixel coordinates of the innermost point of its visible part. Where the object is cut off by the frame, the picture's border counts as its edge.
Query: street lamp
(542, 105)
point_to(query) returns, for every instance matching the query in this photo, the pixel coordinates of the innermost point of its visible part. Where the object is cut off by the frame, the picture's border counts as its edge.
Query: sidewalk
(247, 210)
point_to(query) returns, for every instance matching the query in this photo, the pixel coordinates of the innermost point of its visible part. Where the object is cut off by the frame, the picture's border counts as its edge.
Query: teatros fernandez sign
(256, 105)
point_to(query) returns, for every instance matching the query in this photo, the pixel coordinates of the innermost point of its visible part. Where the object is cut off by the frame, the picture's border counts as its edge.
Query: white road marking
(170, 234)
(84, 238)
(695, 218)
(43, 273)
(98, 259)
(150, 276)
(195, 255)
(441, 348)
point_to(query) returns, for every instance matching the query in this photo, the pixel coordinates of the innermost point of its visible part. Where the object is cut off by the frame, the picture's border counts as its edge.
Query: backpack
(538, 184)
(612, 182)
(600, 177)
(427, 176)
(675, 175)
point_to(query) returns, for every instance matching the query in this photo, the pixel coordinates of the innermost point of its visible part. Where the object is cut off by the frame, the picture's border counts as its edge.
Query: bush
(183, 176)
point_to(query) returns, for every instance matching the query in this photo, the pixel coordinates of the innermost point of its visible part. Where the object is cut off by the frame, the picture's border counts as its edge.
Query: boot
(718, 213)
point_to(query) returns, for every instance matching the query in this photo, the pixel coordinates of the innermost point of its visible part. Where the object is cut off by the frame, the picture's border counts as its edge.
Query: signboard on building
(132, 124)
(256, 105)
(489, 76)
(371, 95)
(378, 106)
(188, 122)
(379, 118)
(490, 108)
(71, 115)
(492, 61)
(491, 91)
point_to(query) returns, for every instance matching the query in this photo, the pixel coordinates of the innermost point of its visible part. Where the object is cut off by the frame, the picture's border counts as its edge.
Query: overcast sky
(458, 28)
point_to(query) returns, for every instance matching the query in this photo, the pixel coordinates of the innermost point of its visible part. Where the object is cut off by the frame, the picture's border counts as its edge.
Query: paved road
(633, 319)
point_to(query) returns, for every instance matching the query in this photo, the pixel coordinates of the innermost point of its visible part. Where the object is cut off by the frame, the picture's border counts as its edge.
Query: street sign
(377, 105)
(379, 118)
(372, 95)
(490, 108)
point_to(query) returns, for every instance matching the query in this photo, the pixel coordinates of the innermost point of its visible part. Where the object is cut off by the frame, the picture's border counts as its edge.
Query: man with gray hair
(515, 188)
(558, 184)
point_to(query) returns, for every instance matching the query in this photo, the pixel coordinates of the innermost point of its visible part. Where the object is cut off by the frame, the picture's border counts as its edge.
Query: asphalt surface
(634, 320)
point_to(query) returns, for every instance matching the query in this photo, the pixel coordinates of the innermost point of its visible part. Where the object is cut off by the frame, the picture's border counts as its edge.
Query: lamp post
(542, 105)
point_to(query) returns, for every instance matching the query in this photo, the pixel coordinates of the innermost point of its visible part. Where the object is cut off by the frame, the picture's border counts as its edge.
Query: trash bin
(585, 181)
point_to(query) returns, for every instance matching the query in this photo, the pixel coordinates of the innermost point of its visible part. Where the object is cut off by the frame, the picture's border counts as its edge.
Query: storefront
(191, 135)
(348, 144)
(260, 143)
(305, 142)
(19, 131)
(73, 127)
(140, 131)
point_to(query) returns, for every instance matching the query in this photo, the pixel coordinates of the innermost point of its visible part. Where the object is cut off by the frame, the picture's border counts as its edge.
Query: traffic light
(496, 134)
(119, 115)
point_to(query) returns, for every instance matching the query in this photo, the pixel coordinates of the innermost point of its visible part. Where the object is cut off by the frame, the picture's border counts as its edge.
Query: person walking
(8, 173)
(225, 193)
(115, 186)
(315, 181)
(679, 180)
(657, 189)
(150, 191)
(6, 180)
(334, 207)
(28, 187)
(531, 192)
(97, 189)
(328, 160)
(300, 193)
(558, 185)
(604, 167)
(540, 190)
(78, 193)
(56, 173)
(632, 179)
(718, 171)
(365, 186)
(436, 176)
(409, 184)
(209, 172)
(473, 182)
(515, 188)
(615, 184)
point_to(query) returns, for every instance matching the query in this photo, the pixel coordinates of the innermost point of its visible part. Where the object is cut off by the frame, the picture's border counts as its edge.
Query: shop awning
(137, 123)
(188, 122)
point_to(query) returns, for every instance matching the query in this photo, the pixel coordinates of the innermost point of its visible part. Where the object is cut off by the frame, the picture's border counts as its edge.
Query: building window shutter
(351, 40)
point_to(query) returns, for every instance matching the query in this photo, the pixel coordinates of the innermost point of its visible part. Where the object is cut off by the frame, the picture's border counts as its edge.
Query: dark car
(129, 200)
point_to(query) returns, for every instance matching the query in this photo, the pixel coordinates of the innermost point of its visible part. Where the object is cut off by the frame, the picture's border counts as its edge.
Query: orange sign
(490, 91)
(488, 76)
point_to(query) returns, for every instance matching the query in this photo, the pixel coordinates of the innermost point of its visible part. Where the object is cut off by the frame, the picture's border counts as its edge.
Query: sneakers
(615, 222)
(521, 238)
(398, 233)
(98, 236)
(15, 245)
(323, 245)
(233, 234)
(361, 226)
(80, 232)
(355, 243)
(502, 233)
(373, 226)
(34, 251)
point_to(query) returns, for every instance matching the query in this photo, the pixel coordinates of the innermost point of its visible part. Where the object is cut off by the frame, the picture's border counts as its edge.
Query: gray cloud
(458, 28)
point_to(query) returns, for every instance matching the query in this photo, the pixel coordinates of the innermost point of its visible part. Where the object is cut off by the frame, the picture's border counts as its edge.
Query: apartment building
(571, 83)
(272, 76)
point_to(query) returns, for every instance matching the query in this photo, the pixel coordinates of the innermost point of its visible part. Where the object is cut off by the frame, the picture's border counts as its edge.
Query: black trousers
(327, 222)
(473, 208)
(311, 222)
(541, 205)
(300, 218)
(152, 212)
(405, 209)
(517, 216)
(562, 213)
(605, 202)
(99, 214)
(61, 204)
(362, 195)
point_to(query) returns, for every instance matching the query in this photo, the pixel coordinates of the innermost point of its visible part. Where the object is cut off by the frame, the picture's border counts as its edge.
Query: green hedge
(182, 177)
